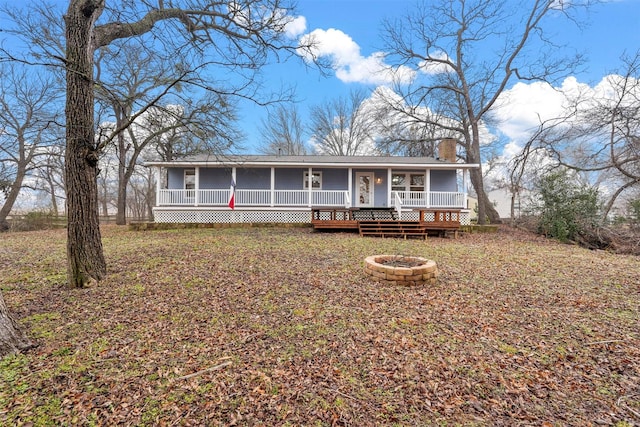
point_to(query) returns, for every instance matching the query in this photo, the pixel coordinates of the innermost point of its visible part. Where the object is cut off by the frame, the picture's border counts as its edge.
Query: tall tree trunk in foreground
(12, 338)
(85, 258)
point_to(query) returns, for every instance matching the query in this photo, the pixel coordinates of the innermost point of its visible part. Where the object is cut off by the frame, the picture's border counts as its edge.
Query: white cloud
(523, 107)
(348, 62)
(296, 27)
(435, 66)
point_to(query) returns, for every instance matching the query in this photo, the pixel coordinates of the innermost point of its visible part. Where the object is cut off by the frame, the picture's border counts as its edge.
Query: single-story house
(285, 189)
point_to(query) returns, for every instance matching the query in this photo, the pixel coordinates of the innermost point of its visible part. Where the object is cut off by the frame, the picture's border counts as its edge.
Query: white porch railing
(437, 199)
(297, 198)
(300, 198)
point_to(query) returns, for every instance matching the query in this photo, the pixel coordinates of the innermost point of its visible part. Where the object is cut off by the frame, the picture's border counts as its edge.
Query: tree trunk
(150, 196)
(513, 209)
(85, 257)
(12, 337)
(121, 212)
(54, 200)
(14, 190)
(123, 182)
(486, 211)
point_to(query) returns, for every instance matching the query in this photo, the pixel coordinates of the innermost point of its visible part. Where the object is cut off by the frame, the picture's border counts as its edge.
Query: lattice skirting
(465, 216)
(231, 217)
(257, 216)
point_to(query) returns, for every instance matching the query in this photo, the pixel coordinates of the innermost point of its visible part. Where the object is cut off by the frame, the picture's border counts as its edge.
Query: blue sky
(351, 31)
(613, 28)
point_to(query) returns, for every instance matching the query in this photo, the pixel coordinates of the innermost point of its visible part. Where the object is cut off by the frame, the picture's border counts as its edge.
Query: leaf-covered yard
(271, 326)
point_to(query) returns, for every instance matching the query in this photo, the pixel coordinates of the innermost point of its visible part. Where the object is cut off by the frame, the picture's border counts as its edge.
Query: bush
(568, 209)
(36, 220)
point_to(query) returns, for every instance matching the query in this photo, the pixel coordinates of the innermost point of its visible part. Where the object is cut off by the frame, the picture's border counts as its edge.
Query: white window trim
(407, 181)
(305, 179)
(184, 182)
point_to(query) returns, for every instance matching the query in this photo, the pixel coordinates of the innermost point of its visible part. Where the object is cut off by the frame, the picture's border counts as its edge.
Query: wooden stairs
(391, 228)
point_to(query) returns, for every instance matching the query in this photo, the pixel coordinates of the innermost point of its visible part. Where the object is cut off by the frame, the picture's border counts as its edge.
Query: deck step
(366, 214)
(391, 228)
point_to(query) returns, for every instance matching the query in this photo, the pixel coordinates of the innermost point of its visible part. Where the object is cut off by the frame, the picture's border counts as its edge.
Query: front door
(364, 189)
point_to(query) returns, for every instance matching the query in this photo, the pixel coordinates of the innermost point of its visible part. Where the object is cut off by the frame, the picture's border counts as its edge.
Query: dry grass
(282, 327)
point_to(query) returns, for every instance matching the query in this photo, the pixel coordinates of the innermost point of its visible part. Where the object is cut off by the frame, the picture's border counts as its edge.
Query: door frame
(372, 191)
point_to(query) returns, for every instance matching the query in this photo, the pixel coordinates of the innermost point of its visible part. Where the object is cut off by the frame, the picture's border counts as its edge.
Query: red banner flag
(232, 194)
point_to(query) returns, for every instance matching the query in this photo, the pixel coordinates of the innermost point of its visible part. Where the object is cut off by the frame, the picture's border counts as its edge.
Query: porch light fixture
(378, 180)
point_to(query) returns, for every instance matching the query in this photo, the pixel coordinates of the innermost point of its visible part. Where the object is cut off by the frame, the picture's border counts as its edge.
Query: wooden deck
(384, 222)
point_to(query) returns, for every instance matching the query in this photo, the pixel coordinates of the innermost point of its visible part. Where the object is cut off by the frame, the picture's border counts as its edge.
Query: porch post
(350, 186)
(465, 201)
(197, 189)
(427, 186)
(273, 186)
(235, 183)
(310, 183)
(390, 201)
(159, 169)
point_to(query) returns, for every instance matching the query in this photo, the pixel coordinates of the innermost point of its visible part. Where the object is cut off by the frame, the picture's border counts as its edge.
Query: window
(417, 182)
(316, 179)
(189, 179)
(399, 182)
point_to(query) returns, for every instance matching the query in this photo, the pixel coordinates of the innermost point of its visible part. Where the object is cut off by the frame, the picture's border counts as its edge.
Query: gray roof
(308, 161)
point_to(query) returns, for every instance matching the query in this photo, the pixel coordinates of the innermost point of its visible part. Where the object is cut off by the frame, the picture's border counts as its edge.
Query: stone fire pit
(401, 270)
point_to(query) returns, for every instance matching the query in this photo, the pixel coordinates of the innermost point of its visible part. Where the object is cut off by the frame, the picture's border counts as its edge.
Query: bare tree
(128, 78)
(460, 75)
(107, 180)
(49, 177)
(406, 137)
(239, 37)
(132, 79)
(343, 127)
(283, 133)
(142, 194)
(398, 130)
(598, 135)
(28, 124)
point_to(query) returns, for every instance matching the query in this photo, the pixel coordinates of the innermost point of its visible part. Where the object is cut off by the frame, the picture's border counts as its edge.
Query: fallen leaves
(280, 326)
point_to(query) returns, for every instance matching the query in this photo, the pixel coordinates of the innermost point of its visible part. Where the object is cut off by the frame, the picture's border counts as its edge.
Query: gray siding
(444, 180)
(290, 179)
(334, 179)
(211, 179)
(254, 178)
(175, 178)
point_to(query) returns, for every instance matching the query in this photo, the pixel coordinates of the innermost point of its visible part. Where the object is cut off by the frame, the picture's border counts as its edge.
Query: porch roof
(312, 161)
